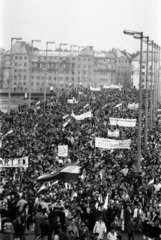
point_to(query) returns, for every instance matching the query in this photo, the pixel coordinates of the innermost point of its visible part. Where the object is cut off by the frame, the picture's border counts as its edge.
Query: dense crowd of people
(133, 204)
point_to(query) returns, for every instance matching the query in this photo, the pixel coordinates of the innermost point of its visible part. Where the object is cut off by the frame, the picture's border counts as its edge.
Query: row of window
(20, 57)
(20, 64)
(38, 84)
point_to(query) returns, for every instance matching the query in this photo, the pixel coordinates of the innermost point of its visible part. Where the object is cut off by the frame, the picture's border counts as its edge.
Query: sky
(97, 23)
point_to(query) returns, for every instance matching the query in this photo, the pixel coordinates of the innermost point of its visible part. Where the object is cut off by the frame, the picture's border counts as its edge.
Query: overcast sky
(98, 23)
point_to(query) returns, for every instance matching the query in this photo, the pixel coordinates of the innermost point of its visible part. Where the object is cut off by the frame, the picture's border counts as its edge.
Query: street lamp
(10, 78)
(46, 67)
(155, 82)
(57, 83)
(32, 41)
(71, 46)
(128, 32)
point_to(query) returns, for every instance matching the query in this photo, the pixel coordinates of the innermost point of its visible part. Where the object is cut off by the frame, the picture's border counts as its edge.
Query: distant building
(136, 70)
(64, 69)
(2, 63)
(123, 68)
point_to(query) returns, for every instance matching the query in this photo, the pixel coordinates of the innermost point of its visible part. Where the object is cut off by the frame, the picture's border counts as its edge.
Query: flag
(105, 206)
(100, 198)
(151, 183)
(51, 88)
(8, 133)
(66, 123)
(42, 188)
(101, 175)
(74, 194)
(38, 103)
(86, 105)
(69, 172)
(25, 96)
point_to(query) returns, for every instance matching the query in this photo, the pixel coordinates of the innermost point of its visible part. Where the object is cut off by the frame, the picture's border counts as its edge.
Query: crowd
(133, 204)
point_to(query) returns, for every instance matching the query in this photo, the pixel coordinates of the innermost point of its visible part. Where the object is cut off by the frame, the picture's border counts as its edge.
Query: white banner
(66, 123)
(133, 106)
(118, 105)
(115, 133)
(95, 89)
(16, 162)
(112, 87)
(72, 101)
(106, 143)
(82, 116)
(63, 150)
(123, 122)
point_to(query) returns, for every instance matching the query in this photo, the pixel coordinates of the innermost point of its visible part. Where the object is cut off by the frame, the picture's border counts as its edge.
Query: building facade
(63, 69)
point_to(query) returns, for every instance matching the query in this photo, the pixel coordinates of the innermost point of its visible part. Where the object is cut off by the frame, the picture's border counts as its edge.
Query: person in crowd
(130, 228)
(38, 219)
(100, 228)
(72, 231)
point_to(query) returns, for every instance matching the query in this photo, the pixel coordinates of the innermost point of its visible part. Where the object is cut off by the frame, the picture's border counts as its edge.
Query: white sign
(82, 116)
(95, 89)
(15, 162)
(123, 122)
(72, 101)
(106, 143)
(63, 150)
(118, 105)
(133, 106)
(113, 133)
(112, 87)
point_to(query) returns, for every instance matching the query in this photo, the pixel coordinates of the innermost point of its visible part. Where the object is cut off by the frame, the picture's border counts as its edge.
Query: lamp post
(155, 80)
(47, 43)
(132, 33)
(70, 70)
(57, 82)
(146, 96)
(10, 76)
(151, 43)
(32, 41)
(159, 88)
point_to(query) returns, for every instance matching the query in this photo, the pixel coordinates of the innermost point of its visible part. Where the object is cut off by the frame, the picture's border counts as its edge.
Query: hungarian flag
(69, 172)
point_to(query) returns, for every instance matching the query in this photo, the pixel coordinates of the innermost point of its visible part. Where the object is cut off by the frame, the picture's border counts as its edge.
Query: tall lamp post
(32, 41)
(151, 43)
(146, 93)
(10, 76)
(159, 88)
(71, 46)
(132, 33)
(47, 43)
(57, 82)
(155, 83)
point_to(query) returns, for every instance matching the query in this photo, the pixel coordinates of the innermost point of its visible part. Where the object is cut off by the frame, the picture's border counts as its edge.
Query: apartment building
(60, 69)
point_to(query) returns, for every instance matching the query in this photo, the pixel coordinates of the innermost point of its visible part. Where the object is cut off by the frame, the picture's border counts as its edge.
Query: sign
(95, 89)
(112, 87)
(72, 101)
(106, 143)
(113, 133)
(123, 122)
(82, 116)
(133, 106)
(63, 150)
(15, 162)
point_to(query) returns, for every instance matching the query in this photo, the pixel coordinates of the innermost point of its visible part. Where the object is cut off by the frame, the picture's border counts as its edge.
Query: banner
(82, 116)
(63, 150)
(118, 105)
(95, 89)
(65, 116)
(72, 101)
(66, 123)
(115, 133)
(123, 122)
(106, 143)
(133, 106)
(112, 87)
(16, 162)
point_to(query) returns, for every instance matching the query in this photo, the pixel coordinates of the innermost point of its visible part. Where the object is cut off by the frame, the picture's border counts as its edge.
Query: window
(15, 70)
(25, 58)
(143, 66)
(54, 78)
(49, 77)
(25, 84)
(24, 77)
(78, 73)
(20, 57)
(14, 83)
(78, 65)
(143, 73)
(15, 57)
(37, 77)
(79, 59)
(32, 84)
(37, 83)
(15, 63)
(32, 77)
(15, 76)
(25, 64)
